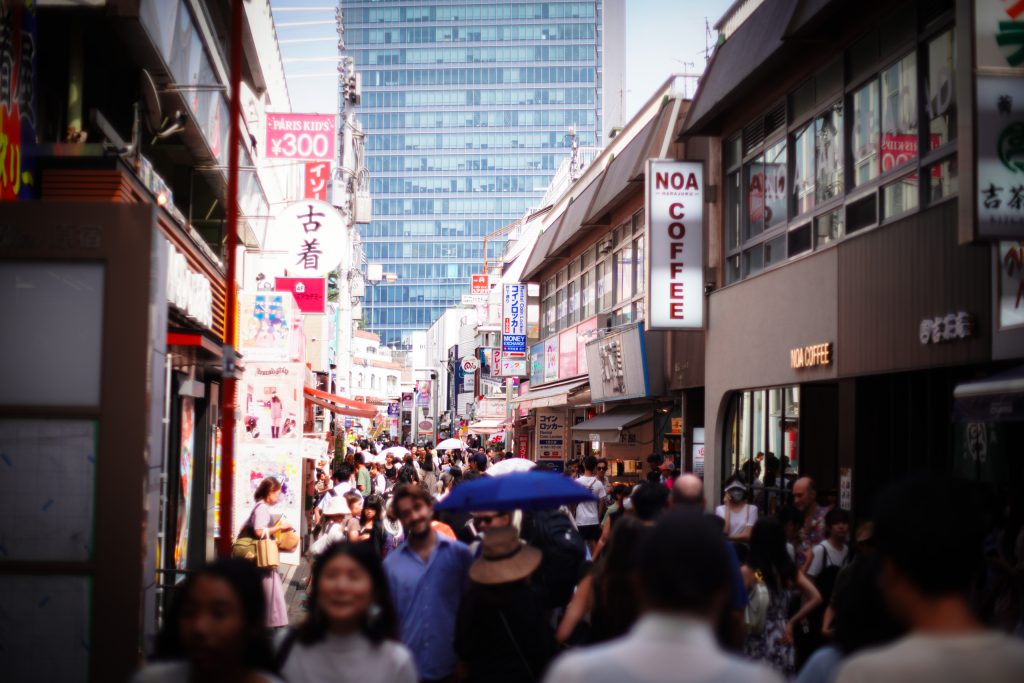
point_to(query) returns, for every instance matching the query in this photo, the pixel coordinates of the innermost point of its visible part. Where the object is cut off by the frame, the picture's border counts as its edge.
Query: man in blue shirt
(427, 575)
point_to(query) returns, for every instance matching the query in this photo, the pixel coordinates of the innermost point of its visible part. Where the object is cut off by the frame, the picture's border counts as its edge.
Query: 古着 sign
(514, 358)
(314, 236)
(675, 217)
(300, 136)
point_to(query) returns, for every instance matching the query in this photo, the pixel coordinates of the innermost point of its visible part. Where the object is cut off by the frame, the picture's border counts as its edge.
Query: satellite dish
(159, 126)
(151, 101)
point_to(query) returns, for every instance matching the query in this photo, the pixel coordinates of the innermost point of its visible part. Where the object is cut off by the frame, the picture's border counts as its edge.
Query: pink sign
(310, 292)
(317, 175)
(300, 136)
(567, 354)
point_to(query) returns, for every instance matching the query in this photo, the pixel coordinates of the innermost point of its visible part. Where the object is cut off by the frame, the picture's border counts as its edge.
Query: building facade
(467, 109)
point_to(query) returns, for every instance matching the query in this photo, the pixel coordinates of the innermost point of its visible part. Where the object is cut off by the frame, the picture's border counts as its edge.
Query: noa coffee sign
(675, 267)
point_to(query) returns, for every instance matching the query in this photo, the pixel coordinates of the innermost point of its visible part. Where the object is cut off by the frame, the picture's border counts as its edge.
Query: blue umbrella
(533, 490)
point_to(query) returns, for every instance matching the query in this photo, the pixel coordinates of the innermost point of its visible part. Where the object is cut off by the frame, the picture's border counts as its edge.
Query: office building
(467, 109)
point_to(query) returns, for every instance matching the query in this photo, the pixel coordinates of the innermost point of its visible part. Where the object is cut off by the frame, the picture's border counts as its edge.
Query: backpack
(564, 557)
(826, 579)
(758, 602)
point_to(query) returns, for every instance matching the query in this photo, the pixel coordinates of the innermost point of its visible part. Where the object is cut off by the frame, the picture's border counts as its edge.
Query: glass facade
(467, 108)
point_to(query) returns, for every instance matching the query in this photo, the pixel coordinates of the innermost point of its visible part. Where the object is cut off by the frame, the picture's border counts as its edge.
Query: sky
(663, 37)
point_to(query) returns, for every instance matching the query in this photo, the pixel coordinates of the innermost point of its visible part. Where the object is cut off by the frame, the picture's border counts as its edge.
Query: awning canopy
(550, 396)
(999, 398)
(491, 426)
(609, 425)
(339, 404)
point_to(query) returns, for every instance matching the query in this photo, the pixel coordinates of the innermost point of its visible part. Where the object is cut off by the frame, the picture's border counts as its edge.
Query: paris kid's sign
(675, 211)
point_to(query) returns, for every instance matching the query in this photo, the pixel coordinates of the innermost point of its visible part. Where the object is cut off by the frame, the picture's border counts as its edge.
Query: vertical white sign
(675, 218)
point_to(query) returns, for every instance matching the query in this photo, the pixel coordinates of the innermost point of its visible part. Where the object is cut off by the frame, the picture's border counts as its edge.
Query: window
(753, 187)
(828, 228)
(864, 142)
(623, 260)
(899, 113)
(733, 204)
(940, 90)
(828, 153)
(803, 171)
(762, 429)
(775, 185)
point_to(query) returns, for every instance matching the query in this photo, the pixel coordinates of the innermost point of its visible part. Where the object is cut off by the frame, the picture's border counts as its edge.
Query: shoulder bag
(267, 556)
(244, 546)
(758, 602)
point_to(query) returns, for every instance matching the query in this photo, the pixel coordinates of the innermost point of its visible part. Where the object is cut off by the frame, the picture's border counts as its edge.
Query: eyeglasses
(484, 520)
(602, 468)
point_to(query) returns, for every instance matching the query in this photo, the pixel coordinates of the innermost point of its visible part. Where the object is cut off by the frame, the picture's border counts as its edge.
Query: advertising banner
(310, 292)
(551, 359)
(551, 424)
(536, 364)
(316, 176)
(675, 210)
(273, 401)
(265, 326)
(567, 353)
(188, 442)
(300, 136)
(255, 462)
(313, 235)
(1011, 284)
(586, 332)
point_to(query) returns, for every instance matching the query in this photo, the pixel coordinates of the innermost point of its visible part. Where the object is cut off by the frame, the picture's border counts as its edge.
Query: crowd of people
(643, 583)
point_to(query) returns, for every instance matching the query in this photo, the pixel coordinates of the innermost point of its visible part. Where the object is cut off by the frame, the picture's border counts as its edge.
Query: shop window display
(761, 442)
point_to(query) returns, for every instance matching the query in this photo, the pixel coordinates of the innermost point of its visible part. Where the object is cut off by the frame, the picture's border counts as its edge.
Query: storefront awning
(550, 396)
(608, 425)
(339, 404)
(486, 427)
(999, 398)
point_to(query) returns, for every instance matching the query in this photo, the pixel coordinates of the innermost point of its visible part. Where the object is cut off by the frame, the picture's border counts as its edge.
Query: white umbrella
(510, 465)
(395, 452)
(451, 445)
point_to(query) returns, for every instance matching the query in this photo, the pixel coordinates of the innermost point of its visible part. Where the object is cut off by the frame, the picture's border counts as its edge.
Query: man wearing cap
(427, 575)
(502, 633)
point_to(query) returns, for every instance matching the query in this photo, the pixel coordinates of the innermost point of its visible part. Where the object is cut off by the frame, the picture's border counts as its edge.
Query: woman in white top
(739, 516)
(215, 630)
(351, 633)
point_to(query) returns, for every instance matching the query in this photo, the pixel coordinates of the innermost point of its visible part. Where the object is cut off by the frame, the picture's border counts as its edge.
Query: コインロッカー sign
(675, 216)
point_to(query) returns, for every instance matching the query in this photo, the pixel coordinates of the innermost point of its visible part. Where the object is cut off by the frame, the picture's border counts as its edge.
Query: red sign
(567, 344)
(300, 136)
(317, 175)
(310, 292)
(479, 284)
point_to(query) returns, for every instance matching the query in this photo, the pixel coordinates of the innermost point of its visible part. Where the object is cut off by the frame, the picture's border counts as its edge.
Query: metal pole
(434, 384)
(228, 407)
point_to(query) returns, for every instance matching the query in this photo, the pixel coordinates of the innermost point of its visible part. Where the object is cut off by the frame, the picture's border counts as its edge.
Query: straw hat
(337, 506)
(504, 558)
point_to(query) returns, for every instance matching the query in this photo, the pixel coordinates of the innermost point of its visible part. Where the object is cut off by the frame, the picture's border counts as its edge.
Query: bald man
(688, 496)
(812, 530)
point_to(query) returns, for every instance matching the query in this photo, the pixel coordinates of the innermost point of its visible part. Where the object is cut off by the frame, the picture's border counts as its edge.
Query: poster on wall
(586, 332)
(255, 463)
(1011, 284)
(675, 219)
(551, 359)
(265, 326)
(273, 401)
(1000, 167)
(550, 431)
(185, 461)
(536, 364)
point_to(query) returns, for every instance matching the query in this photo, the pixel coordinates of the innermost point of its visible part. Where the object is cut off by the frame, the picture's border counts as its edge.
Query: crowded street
(564, 341)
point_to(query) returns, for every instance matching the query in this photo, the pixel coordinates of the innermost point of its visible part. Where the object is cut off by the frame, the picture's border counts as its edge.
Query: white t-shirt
(350, 658)
(738, 521)
(586, 513)
(836, 557)
(987, 657)
(180, 672)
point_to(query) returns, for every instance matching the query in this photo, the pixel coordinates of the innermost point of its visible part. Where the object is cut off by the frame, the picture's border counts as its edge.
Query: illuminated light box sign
(514, 356)
(310, 292)
(813, 356)
(300, 136)
(675, 216)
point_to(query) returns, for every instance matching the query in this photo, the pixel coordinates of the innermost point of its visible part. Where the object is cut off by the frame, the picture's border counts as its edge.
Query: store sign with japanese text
(300, 136)
(187, 290)
(479, 284)
(675, 215)
(316, 177)
(310, 292)
(998, 29)
(514, 359)
(1000, 160)
(618, 366)
(550, 434)
(314, 235)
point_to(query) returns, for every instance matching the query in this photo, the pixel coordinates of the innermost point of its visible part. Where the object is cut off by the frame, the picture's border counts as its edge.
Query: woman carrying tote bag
(260, 526)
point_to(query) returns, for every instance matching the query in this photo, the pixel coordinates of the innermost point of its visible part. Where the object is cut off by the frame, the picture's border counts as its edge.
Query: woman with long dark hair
(351, 633)
(260, 525)
(371, 523)
(214, 630)
(771, 576)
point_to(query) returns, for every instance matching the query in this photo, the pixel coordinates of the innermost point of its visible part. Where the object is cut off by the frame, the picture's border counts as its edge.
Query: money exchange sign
(514, 359)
